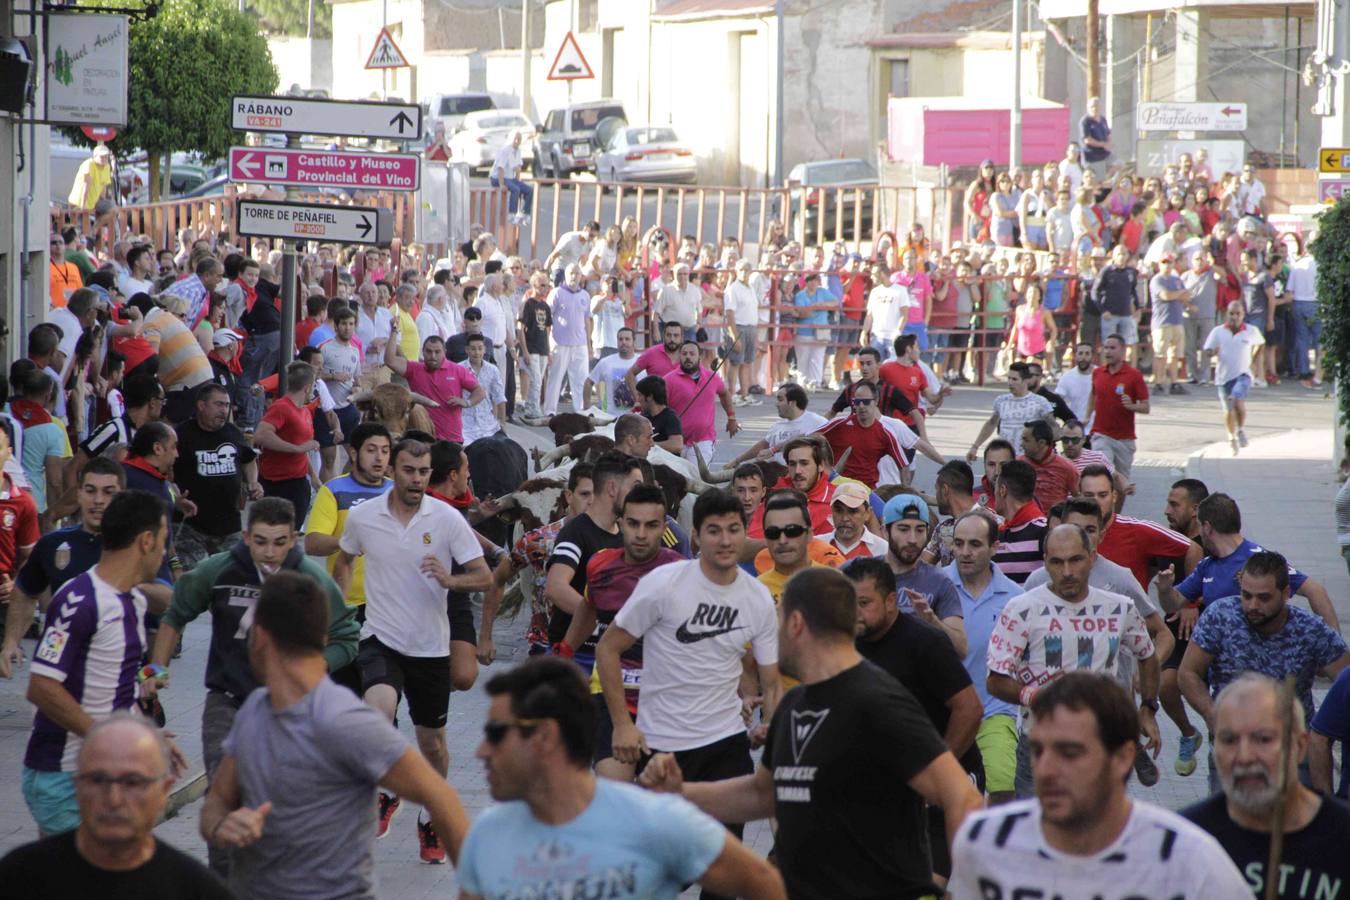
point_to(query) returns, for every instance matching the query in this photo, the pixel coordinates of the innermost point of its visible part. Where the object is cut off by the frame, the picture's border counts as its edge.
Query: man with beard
(916, 655)
(410, 542)
(555, 828)
(921, 589)
(611, 576)
(1082, 836)
(955, 497)
(452, 386)
(611, 376)
(1257, 631)
(660, 359)
(1248, 722)
(227, 585)
(839, 834)
(691, 389)
(1064, 626)
(1035, 383)
(1075, 385)
(217, 469)
(794, 420)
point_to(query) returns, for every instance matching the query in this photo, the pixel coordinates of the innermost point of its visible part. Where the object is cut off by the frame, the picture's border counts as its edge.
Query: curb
(191, 790)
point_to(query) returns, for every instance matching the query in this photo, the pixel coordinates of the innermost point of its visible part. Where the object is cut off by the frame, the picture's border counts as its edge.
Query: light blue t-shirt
(820, 316)
(39, 443)
(981, 615)
(628, 843)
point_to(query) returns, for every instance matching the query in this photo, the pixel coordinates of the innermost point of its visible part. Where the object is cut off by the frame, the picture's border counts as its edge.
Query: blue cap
(904, 506)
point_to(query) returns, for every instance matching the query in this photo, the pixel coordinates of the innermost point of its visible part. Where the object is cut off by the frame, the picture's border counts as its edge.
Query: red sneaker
(431, 849)
(388, 806)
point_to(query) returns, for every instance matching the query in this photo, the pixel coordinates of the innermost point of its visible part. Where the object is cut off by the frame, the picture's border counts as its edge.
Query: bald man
(122, 785)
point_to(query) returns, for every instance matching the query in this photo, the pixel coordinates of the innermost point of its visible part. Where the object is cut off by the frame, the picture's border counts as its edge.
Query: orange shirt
(65, 280)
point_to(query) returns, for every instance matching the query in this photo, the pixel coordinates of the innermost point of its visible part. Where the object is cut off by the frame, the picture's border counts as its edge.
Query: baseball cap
(224, 336)
(102, 150)
(851, 494)
(904, 506)
(473, 312)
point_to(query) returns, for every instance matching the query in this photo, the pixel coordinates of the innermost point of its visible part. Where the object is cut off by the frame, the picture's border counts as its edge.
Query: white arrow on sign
(248, 165)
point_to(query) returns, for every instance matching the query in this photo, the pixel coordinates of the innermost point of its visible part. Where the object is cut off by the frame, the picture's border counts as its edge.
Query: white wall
(308, 63)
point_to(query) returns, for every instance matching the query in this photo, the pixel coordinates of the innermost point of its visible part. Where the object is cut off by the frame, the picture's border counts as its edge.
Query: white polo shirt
(1234, 357)
(406, 609)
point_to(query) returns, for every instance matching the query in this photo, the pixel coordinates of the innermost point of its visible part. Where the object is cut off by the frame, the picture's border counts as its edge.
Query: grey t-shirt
(318, 762)
(936, 588)
(340, 358)
(1204, 291)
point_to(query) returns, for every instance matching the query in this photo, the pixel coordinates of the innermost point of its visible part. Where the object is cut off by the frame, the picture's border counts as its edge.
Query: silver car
(643, 153)
(485, 133)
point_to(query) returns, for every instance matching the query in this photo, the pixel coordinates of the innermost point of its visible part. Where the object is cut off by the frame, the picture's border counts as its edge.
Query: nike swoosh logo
(685, 636)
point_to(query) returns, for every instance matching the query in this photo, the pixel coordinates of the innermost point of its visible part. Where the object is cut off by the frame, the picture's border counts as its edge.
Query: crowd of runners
(928, 684)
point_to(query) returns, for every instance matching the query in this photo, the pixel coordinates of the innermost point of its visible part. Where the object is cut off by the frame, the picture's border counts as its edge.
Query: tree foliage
(186, 63)
(291, 17)
(1329, 248)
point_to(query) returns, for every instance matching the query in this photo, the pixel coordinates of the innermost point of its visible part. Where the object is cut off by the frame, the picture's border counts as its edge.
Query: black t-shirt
(1314, 863)
(922, 658)
(1254, 292)
(842, 753)
(536, 318)
(52, 869)
(665, 425)
(457, 348)
(574, 546)
(1062, 411)
(210, 468)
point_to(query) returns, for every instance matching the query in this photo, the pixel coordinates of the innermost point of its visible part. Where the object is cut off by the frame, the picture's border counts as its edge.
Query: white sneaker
(1259, 382)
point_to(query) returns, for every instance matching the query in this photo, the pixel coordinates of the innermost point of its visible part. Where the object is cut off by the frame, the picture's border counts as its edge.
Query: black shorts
(322, 433)
(459, 607)
(604, 731)
(1174, 661)
(727, 758)
(425, 680)
(348, 418)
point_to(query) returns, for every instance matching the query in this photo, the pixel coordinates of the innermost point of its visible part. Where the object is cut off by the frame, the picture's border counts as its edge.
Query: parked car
(642, 153)
(450, 109)
(565, 142)
(828, 174)
(485, 132)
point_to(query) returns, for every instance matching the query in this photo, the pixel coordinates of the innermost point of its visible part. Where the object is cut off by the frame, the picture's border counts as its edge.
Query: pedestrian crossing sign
(385, 54)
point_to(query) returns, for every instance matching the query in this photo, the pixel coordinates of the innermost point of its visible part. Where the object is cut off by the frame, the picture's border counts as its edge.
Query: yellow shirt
(100, 177)
(328, 515)
(408, 340)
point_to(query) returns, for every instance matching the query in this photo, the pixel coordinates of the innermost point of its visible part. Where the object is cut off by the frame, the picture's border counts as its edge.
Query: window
(555, 120)
(897, 77)
(587, 119)
(588, 15)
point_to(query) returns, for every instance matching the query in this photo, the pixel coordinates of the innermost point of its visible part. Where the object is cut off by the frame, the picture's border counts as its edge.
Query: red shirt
(908, 380)
(1056, 478)
(1130, 234)
(855, 296)
(1133, 543)
(1111, 417)
(303, 330)
(818, 503)
(18, 525)
(294, 425)
(870, 446)
(136, 349)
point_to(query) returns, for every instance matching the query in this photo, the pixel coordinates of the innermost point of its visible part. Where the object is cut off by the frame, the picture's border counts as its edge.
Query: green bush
(1329, 248)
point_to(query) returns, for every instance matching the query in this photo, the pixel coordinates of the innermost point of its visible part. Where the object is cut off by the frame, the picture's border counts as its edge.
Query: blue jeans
(885, 348)
(515, 189)
(1307, 335)
(261, 354)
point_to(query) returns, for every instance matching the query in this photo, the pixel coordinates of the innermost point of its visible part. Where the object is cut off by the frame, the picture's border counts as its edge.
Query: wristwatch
(1151, 705)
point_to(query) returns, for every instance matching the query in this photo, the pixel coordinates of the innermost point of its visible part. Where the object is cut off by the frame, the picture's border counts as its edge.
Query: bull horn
(361, 396)
(553, 457)
(597, 421)
(510, 501)
(424, 400)
(695, 486)
(720, 477)
(843, 458)
(533, 421)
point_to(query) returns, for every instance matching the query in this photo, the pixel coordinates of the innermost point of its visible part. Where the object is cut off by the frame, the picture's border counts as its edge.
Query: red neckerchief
(235, 364)
(461, 503)
(1032, 510)
(29, 413)
(250, 294)
(138, 462)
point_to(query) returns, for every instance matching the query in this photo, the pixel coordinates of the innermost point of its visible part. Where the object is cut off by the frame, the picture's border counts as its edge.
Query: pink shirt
(654, 361)
(699, 420)
(920, 289)
(449, 380)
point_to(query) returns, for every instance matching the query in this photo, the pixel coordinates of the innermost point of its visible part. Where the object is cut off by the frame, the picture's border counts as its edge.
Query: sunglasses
(495, 732)
(793, 531)
(863, 401)
(132, 784)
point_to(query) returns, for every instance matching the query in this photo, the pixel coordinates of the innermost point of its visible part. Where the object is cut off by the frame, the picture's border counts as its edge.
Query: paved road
(1284, 482)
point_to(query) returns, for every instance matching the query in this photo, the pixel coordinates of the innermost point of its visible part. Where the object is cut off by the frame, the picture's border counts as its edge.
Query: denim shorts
(1236, 389)
(51, 799)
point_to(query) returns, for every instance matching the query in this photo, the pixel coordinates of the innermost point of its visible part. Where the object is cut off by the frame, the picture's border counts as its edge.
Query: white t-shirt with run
(405, 608)
(1076, 388)
(784, 430)
(1234, 357)
(1001, 852)
(694, 635)
(608, 376)
(887, 305)
(1014, 412)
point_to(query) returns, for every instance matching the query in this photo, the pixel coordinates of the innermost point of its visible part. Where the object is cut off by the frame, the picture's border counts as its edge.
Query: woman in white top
(603, 259)
(607, 317)
(1071, 167)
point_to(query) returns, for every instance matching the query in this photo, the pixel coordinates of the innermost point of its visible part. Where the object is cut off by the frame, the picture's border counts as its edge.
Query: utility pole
(1015, 132)
(778, 172)
(1094, 77)
(525, 58)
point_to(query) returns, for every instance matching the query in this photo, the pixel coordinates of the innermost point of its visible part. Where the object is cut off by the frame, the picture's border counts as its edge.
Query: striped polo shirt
(1020, 543)
(181, 360)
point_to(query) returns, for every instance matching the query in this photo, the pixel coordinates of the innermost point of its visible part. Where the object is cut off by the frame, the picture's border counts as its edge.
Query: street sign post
(1332, 190)
(1333, 159)
(315, 222)
(324, 168)
(1191, 117)
(345, 118)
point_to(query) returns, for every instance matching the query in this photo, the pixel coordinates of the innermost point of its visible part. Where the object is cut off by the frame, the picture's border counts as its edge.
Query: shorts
(744, 355)
(322, 433)
(1168, 341)
(459, 607)
(103, 207)
(919, 328)
(1178, 650)
(1124, 326)
(847, 333)
(51, 799)
(604, 731)
(348, 418)
(1236, 389)
(425, 680)
(958, 338)
(997, 740)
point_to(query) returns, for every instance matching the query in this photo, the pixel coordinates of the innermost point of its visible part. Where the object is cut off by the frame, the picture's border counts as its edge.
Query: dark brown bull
(396, 408)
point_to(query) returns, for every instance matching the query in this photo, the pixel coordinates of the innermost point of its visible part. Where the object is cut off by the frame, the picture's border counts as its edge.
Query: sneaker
(1233, 443)
(1242, 438)
(756, 389)
(1307, 383)
(1258, 382)
(429, 844)
(1185, 763)
(751, 401)
(1178, 388)
(388, 806)
(738, 400)
(1144, 767)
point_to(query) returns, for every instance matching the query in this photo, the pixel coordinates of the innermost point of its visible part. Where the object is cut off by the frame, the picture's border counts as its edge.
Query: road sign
(570, 64)
(348, 118)
(1333, 159)
(315, 222)
(1331, 190)
(101, 133)
(385, 54)
(323, 168)
(1192, 117)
